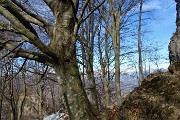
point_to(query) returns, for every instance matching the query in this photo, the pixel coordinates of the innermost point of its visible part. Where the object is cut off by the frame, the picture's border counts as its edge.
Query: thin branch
(19, 70)
(83, 19)
(33, 18)
(42, 76)
(83, 9)
(30, 13)
(7, 27)
(12, 47)
(26, 32)
(18, 14)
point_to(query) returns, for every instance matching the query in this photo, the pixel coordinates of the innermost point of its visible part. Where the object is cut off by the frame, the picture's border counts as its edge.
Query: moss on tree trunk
(79, 107)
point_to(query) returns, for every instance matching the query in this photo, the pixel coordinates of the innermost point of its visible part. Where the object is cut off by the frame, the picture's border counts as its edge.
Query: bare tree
(22, 97)
(104, 61)
(120, 13)
(139, 45)
(88, 34)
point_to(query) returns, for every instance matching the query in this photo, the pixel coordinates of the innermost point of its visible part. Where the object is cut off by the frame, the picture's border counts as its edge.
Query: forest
(86, 60)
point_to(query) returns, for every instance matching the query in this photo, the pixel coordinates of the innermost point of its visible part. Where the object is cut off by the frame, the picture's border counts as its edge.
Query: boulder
(158, 99)
(154, 75)
(174, 45)
(174, 68)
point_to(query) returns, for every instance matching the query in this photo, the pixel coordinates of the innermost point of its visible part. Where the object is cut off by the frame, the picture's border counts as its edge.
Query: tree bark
(2, 91)
(79, 107)
(63, 45)
(103, 63)
(116, 45)
(139, 45)
(40, 101)
(21, 99)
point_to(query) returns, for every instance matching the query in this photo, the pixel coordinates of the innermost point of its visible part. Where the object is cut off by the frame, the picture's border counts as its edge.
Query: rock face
(174, 68)
(174, 46)
(156, 99)
(174, 52)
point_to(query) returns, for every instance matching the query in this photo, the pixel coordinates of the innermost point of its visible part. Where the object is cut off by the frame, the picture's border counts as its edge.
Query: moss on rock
(157, 99)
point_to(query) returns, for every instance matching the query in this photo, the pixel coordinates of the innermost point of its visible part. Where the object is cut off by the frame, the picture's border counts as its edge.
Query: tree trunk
(115, 35)
(91, 78)
(116, 45)
(40, 102)
(88, 33)
(139, 46)
(63, 40)
(78, 105)
(1, 101)
(105, 86)
(1, 92)
(22, 98)
(117, 77)
(53, 99)
(103, 64)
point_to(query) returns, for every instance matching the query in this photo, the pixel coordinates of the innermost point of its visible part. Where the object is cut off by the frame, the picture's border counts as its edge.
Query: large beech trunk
(62, 44)
(78, 105)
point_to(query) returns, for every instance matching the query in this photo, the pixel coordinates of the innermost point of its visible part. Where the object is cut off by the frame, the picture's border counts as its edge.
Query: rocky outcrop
(156, 99)
(174, 46)
(154, 75)
(174, 68)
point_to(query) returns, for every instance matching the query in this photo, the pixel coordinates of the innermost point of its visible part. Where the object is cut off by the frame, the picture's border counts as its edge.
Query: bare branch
(7, 27)
(34, 56)
(30, 13)
(12, 49)
(18, 14)
(83, 9)
(33, 18)
(25, 31)
(42, 76)
(83, 19)
(19, 70)
(19, 52)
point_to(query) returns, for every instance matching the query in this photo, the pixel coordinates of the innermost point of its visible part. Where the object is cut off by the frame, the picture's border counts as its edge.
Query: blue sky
(163, 25)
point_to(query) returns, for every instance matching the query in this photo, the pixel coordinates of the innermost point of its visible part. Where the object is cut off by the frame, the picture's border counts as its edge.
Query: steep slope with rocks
(156, 99)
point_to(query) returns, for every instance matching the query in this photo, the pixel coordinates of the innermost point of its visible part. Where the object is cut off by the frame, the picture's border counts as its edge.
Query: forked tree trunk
(115, 35)
(63, 45)
(103, 64)
(105, 86)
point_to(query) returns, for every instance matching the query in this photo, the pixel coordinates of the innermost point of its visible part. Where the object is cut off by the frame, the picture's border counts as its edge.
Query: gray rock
(174, 45)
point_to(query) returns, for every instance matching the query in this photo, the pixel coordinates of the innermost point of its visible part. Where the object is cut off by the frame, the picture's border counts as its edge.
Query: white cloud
(152, 5)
